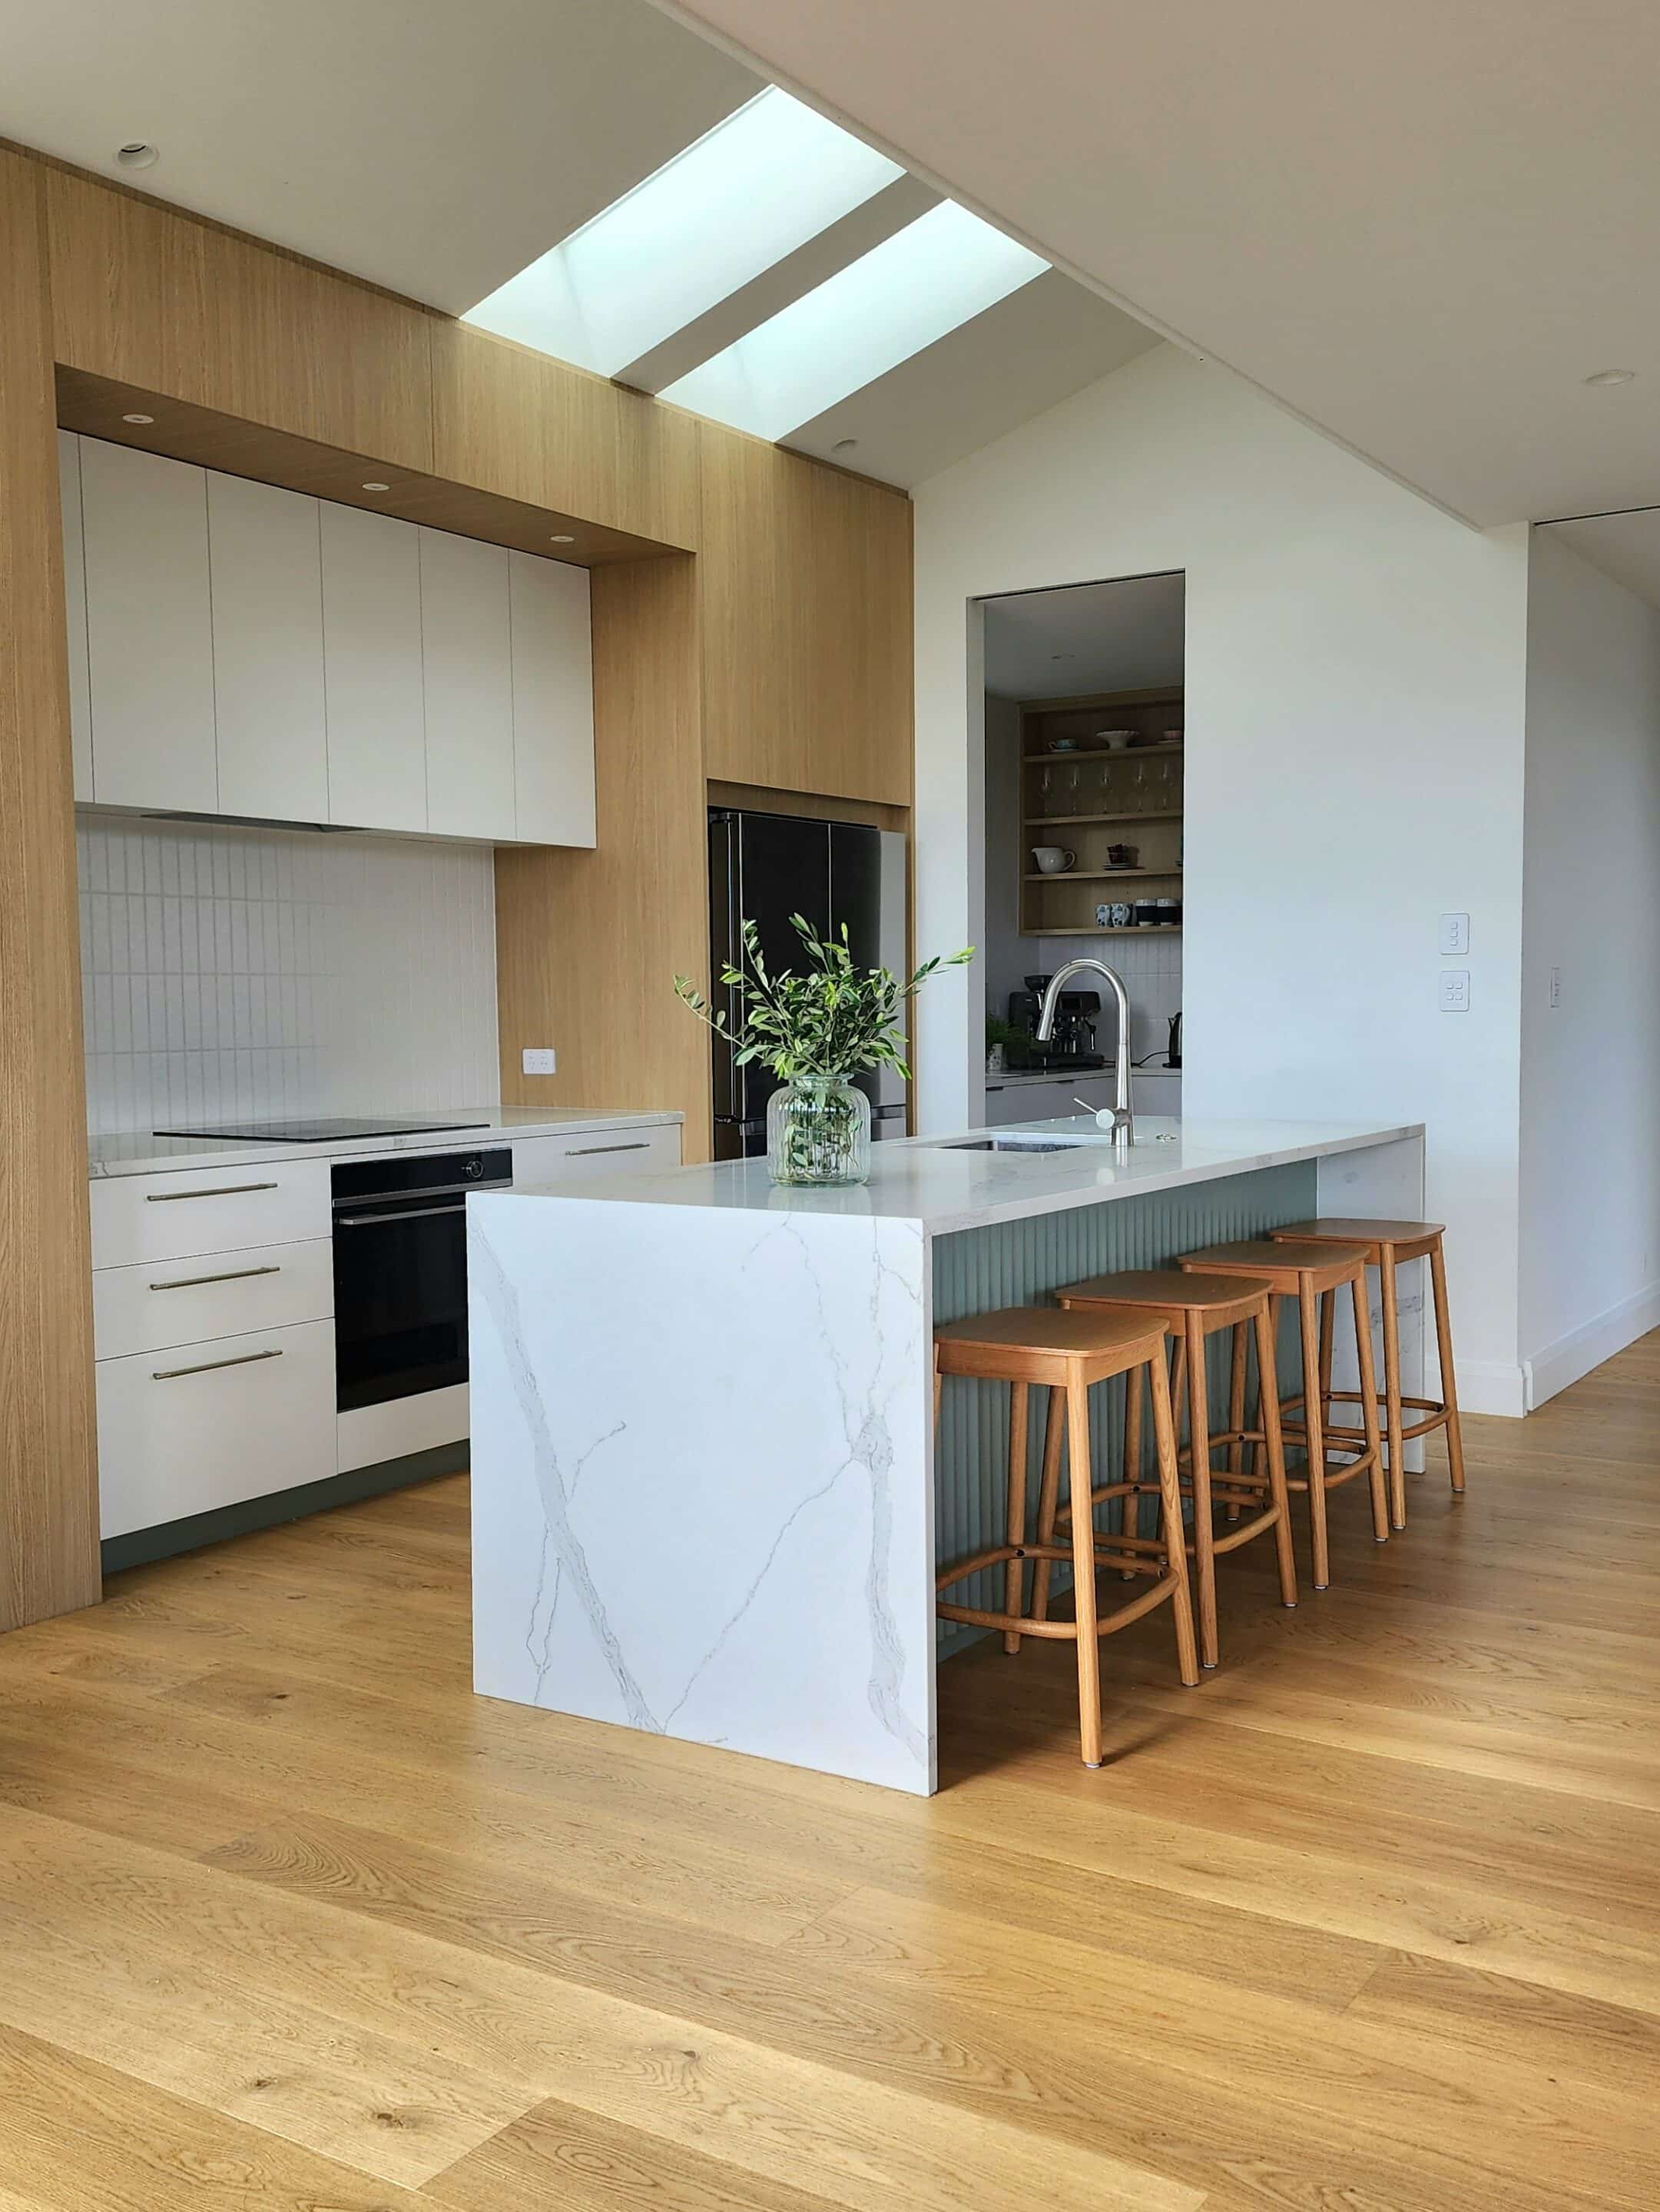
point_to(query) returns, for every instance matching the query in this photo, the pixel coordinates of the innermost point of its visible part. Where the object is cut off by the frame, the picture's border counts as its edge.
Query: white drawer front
(206, 1425)
(190, 1211)
(585, 1154)
(162, 1302)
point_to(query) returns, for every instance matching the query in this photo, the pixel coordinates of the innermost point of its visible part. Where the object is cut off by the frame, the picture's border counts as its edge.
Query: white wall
(1590, 1065)
(249, 974)
(1355, 711)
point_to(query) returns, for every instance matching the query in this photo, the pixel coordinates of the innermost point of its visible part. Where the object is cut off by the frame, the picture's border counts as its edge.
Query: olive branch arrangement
(826, 1022)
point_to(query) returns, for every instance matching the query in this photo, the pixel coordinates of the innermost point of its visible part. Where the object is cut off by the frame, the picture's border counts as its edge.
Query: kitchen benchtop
(139, 1153)
(922, 1181)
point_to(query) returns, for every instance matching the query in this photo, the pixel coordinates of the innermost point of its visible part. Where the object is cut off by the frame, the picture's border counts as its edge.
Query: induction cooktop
(315, 1133)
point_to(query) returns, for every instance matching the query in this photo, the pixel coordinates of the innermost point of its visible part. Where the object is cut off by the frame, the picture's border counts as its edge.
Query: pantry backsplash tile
(247, 972)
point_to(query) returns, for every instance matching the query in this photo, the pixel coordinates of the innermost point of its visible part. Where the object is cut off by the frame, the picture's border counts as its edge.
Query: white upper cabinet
(239, 649)
(467, 651)
(267, 580)
(552, 702)
(149, 633)
(75, 611)
(372, 663)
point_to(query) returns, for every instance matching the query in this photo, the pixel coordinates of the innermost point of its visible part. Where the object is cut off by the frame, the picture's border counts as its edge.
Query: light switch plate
(539, 1059)
(1556, 986)
(1455, 991)
(1455, 934)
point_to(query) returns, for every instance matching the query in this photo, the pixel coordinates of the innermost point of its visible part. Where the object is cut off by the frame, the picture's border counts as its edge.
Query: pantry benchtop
(707, 1492)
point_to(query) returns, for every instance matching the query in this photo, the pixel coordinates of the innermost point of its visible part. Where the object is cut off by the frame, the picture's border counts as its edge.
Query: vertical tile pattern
(252, 973)
(1019, 1263)
(1151, 969)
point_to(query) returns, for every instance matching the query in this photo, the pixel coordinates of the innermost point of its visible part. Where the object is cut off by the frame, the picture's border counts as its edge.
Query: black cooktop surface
(315, 1133)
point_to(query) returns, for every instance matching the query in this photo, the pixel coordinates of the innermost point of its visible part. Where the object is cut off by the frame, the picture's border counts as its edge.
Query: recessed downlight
(138, 418)
(1612, 376)
(137, 154)
(561, 538)
(844, 445)
(377, 486)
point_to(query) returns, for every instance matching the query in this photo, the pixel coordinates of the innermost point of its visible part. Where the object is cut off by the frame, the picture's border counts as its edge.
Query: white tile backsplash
(255, 973)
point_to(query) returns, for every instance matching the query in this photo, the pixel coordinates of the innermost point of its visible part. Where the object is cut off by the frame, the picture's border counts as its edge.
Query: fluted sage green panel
(1018, 1263)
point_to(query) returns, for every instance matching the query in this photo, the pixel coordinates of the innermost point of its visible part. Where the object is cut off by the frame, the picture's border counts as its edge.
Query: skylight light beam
(926, 279)
(754, 189)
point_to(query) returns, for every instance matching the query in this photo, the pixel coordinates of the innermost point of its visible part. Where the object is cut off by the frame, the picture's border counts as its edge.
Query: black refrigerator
(763, 868)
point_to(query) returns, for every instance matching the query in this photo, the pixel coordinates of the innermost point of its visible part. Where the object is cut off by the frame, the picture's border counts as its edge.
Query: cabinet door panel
(372, 663)
(75, 611)
(552, 702)
(467, 655)
(149, 634)
(267, 578)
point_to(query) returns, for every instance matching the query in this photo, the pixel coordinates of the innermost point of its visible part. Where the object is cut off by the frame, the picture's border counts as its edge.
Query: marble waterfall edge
(686, 1429)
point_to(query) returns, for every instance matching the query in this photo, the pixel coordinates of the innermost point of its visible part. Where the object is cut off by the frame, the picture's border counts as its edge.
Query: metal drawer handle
(225, 1190)
(374, 1220)
(207, 1367)
(235, 1275)
(587, 1152)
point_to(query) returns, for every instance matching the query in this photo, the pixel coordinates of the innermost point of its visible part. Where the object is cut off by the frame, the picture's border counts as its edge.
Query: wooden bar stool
(1068, 1353)
(1307, 1273)
(1388, 1246)
(1194, 1307)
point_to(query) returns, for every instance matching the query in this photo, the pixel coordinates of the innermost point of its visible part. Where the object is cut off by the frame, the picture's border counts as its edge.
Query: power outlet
(1455, 991)
(1454, 934)
(539, 1059)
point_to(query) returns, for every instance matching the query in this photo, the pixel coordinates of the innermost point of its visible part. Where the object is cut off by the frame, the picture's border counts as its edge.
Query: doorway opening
(1085, 760)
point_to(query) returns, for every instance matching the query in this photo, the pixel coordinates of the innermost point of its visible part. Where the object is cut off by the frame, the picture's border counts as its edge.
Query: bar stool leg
(1444, 1348)
(1274, 1452)
(1314, 1427)
(1169, 1497)
(1048, 1502)
(1392, 1413)
(1204, 1536)
(1236, 1411)
(1129, 1518)
(1014, 1573)
(1328, 1336)
(1380, 1514)
(1083, 1567)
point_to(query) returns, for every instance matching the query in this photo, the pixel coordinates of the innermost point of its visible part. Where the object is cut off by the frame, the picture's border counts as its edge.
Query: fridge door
(868, 893)
(762, 868)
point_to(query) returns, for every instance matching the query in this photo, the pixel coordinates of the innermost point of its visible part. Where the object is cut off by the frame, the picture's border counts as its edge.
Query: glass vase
(819, 1131)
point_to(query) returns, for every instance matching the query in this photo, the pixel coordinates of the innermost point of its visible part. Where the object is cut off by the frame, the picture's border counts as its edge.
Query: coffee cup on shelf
(1053, 860)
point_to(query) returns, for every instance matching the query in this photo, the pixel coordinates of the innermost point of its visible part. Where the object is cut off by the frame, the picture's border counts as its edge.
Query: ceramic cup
(1120, 915)
(1053, 860)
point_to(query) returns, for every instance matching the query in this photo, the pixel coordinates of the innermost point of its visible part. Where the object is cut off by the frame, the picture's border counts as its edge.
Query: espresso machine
(1073, 1048)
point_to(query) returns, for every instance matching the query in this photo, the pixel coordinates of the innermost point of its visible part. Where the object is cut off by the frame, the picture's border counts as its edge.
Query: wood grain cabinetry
(1101, 777)
(805, 580)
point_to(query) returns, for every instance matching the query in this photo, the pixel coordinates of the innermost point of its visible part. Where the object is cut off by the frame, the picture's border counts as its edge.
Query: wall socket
(539, 1059)
(1455, 991)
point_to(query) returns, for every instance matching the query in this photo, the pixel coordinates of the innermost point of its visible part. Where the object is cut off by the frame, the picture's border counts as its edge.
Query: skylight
(754, 189)
(914, 288)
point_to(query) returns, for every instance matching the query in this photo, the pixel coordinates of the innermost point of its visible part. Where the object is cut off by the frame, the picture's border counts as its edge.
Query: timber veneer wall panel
(48, 1475)
(588, 942)
(805, 579)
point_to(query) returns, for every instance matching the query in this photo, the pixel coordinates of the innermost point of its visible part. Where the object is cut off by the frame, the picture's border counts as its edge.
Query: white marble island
(704, 1495)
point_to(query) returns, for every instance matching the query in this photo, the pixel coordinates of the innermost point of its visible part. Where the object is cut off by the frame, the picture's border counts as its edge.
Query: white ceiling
(1420, 226)
(1126, 635)
(438, 150)
(1624, 546)
(434, 149)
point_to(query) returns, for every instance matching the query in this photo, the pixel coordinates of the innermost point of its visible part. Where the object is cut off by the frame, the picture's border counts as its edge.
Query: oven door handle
(410, 1214)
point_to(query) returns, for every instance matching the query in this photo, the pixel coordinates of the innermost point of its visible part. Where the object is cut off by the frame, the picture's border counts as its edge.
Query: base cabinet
(202, 1426)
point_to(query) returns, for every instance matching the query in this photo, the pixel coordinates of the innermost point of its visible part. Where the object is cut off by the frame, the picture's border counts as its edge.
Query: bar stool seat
(1195, 1307)
(1388, 1246)
(1068, 1353)
(1309, 1272)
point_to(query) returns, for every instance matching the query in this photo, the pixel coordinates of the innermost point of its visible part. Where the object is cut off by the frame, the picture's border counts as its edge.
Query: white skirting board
(1556, 1365)
(370, 1434)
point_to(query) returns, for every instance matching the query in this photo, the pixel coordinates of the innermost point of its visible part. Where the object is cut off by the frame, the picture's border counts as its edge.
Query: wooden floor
(1368, 1923)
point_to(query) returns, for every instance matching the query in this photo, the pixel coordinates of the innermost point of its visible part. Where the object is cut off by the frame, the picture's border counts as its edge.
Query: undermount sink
(1012, 1141)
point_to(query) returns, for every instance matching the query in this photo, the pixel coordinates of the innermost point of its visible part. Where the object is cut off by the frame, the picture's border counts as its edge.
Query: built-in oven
(400, 1272)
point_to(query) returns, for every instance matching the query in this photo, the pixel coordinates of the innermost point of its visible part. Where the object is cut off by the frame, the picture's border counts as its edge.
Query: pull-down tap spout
(1123, 1121)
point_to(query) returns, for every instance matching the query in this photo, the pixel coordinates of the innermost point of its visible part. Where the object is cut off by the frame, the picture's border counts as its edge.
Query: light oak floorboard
(1370, 1920)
